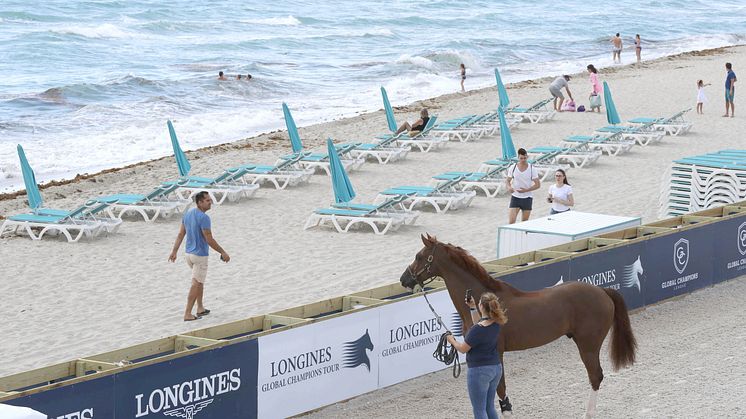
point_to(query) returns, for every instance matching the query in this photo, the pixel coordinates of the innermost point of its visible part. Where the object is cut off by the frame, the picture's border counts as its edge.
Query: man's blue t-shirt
(483, 342)
(194, 222)
(729, 79)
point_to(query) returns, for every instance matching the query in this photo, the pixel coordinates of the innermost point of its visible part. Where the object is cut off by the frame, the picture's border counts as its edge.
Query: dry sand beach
(64, 301)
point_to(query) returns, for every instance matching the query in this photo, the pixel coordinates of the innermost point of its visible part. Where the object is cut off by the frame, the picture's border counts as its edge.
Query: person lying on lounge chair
(419, 125)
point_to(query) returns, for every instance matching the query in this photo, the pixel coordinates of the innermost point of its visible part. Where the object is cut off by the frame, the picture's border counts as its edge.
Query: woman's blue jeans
(481, 382)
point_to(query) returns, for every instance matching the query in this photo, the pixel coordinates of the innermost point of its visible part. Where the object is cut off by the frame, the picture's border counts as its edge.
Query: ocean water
(88, 85)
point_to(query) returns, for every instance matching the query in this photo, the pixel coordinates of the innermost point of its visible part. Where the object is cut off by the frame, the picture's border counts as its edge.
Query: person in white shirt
(522, 179)
(560, 194)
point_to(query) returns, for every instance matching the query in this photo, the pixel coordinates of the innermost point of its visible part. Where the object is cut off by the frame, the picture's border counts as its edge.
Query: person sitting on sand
(556, 90)
(221, 76)
(419, 125)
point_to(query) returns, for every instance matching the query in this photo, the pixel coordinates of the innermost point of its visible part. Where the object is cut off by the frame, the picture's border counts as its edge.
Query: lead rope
(444, 352)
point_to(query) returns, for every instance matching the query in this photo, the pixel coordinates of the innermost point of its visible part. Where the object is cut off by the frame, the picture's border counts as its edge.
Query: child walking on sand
(701, 98)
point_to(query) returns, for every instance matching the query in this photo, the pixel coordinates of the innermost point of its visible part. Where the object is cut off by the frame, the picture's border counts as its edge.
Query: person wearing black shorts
(418, 125)
(522, 179)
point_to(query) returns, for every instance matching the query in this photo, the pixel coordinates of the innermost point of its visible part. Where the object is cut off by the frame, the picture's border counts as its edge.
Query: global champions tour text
(322, 360)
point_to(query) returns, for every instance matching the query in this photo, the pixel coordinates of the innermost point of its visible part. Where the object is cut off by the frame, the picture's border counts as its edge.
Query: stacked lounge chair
(705, 181)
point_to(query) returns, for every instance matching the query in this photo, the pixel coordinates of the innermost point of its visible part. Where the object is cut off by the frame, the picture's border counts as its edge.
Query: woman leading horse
(583, 312)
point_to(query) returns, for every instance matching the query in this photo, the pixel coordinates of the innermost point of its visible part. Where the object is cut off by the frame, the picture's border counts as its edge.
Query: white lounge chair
(320, 161)
(612, 145)
(382, 152)
(157, 203)
(573, 156)
(287, 173)
(81, 222)
(422, 140)
(642, 134)
(535, 113)
(674, 125)
(491, 183)
(442, 198)
(382, 218)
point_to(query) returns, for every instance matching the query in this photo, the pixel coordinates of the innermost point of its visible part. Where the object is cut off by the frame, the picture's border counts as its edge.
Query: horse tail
(623, 342)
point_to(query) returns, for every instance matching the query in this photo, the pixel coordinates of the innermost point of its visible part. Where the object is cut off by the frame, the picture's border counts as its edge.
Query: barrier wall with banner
(621, 268)
(86, 400)
(680, 263)
(318, 361)
(336, 359)
(730, 257)
(409, 335)
(218, 383)
(308, 367)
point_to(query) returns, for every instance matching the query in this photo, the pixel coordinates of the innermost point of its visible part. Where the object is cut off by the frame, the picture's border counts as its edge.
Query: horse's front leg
(505, 407)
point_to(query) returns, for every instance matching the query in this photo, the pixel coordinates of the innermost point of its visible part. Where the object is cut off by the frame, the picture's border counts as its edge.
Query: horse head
(355, 351)
(423, 269)
(632, 274)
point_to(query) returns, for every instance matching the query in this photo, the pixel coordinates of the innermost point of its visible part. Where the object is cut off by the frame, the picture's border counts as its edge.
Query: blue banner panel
(540, 277)
(86, 400)
(621, 268)
(730, 239)
(215, 384)
(679, 263)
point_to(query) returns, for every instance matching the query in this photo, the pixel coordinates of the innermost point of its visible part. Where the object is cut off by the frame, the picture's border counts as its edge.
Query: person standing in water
(463, 76)
(221, 76)
(616, 48)
(638, 47)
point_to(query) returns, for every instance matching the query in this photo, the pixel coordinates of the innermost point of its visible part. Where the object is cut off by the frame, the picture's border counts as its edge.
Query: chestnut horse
(583, 312)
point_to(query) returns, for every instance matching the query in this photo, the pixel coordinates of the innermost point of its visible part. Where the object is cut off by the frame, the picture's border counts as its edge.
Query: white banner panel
(409, 336)
(316, 365)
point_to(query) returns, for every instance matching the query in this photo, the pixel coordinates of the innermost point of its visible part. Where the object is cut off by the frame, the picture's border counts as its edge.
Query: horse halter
(426, 268)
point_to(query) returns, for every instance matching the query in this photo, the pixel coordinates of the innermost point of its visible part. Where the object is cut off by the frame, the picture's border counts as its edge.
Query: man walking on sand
(196, 226)
(616, 48)
(730, 81)
(521, 181)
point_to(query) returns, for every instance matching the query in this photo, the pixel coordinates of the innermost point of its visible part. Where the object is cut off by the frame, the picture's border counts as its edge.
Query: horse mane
(466, 261)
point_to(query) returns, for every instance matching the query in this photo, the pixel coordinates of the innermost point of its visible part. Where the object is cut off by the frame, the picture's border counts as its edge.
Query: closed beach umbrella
(181, 158)
(343, 191)
(611, 114)
(501, 92)
(292, 130)
(505, 138)
(389, 111)
(29, 179)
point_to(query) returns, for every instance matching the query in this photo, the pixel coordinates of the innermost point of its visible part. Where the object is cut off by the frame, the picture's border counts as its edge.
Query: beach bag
(595, 101)
(581, 108)
(568, 106)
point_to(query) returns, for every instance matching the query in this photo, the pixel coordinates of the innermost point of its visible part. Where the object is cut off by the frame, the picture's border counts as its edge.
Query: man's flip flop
(203, 313)
(191, 320)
